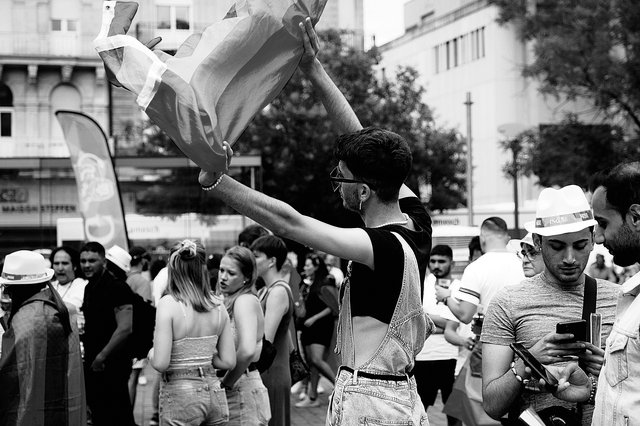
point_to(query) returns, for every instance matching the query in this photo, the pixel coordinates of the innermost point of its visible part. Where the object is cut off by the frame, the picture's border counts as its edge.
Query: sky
(384, 18)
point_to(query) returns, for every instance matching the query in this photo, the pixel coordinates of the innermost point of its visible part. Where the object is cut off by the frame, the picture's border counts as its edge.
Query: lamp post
(511, 132)
(468, 104)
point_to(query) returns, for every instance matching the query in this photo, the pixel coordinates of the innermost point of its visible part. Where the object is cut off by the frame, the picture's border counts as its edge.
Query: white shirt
(72, 292)
(483, 278)
(159, 284)
(436, 346)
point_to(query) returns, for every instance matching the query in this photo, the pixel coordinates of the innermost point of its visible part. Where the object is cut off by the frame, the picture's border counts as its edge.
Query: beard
(625, 247)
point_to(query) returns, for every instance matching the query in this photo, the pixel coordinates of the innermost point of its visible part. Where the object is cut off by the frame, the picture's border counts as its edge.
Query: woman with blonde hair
(192, 337)
(246, 394)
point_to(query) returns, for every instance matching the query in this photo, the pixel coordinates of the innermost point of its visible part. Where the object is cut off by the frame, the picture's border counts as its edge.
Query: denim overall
(358, 400)
(618, 393)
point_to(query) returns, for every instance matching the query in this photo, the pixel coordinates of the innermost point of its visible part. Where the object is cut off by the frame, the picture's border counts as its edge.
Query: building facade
(458, 48)
(48, 63)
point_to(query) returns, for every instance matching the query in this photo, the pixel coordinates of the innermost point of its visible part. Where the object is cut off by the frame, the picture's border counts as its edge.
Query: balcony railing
(52, 44)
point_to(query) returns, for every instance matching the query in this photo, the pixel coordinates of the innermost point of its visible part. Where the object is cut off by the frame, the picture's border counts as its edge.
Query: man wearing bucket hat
(108, 311)
(41, 380)
(528, 312)
(616, 206)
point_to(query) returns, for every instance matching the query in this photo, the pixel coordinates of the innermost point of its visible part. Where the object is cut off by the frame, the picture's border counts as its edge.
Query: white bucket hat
(561, 211)
(119, 257)
(25, 267)
(515, 246)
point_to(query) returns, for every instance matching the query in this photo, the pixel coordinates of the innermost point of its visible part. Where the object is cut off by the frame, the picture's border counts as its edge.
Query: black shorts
(433, 375)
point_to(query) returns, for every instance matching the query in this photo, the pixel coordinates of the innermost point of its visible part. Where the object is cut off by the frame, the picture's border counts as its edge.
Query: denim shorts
(249, 401)
(364, 401)
(193, 400)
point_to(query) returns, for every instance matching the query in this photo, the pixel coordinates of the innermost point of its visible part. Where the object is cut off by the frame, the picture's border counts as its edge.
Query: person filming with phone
(540, 321)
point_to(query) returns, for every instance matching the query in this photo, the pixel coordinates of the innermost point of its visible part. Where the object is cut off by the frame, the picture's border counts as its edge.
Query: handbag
(297, 367)
(267, 355)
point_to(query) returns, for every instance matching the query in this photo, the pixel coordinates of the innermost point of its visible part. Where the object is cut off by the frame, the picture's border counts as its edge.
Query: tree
(572, 152)
(296, 138)
(587, 48)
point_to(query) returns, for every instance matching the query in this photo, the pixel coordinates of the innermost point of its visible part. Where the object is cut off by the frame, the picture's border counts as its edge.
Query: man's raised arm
(336, 105)
(339, 110)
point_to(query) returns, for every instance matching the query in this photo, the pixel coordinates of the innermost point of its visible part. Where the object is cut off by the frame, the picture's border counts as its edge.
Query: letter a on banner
(98, 192)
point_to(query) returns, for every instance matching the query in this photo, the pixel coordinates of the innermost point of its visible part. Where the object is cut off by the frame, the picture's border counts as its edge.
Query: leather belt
(388, 377)
(194, 371)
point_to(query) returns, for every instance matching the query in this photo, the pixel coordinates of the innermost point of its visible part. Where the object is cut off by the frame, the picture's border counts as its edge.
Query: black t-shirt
(374, 293)
(101, 296)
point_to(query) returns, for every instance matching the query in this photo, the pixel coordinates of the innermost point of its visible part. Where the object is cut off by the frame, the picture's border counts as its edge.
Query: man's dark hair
(442, 250)
(474, 245)
(381, 158)
(95, 247)
(272, 246)
(138, 254)
(73, 254)
(250, 234)
(495, 225)
(623, 186)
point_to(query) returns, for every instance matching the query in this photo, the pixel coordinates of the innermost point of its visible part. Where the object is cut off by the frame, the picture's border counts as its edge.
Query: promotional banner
(98, 192)
(218, 79)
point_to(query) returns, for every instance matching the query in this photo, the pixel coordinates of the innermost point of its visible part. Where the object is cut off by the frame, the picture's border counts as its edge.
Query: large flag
(100, 203)
(218, 79)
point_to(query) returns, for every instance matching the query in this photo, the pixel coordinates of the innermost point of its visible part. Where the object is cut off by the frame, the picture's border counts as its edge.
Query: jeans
(358, 401)
(193, 400)
(249, 401)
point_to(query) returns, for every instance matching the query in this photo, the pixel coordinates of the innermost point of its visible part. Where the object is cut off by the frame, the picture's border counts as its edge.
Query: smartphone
(443, 282)
(536, 367)
(577, 328)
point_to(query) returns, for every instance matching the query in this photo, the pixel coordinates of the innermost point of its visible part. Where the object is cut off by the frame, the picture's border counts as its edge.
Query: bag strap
(589, 300)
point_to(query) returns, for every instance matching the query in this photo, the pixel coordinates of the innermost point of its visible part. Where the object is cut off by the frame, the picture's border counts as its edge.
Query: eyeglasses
(530, 254)
(337, 179)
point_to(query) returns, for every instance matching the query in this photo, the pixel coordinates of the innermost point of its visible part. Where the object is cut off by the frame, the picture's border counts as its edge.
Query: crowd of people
(222, 346)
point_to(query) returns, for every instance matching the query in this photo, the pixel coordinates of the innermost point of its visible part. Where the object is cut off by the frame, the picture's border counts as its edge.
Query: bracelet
(216, 183)
(518, 377)
(594, 389)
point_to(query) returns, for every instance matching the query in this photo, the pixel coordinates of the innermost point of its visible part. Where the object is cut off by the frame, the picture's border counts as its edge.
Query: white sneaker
(308, 402)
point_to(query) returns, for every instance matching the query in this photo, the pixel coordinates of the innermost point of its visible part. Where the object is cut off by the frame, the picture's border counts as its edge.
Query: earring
(360, 206)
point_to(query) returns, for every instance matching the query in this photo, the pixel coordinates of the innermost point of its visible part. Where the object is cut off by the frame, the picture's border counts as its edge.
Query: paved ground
(299, 416)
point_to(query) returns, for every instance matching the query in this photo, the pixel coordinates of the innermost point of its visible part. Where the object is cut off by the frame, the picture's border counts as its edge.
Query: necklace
(67, 289)
(398, 222)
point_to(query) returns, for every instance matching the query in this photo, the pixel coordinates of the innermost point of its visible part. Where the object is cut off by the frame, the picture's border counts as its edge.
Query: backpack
(144, 323)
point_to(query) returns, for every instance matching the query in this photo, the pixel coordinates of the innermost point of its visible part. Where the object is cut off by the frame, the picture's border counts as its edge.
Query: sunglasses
(530, 254)
(338, 179)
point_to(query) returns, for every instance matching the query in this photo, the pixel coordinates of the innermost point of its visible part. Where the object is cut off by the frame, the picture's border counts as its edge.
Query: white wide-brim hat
(561, 211)
(119, 257)
(515, 246)
(25, 267)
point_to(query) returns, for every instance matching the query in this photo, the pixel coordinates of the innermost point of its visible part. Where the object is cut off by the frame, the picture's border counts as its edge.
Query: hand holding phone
(536, 366)
(577, 328)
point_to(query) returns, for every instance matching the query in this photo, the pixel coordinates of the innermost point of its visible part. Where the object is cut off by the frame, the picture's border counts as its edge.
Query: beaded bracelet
(594, 389)
(518, 377)
(216, 183)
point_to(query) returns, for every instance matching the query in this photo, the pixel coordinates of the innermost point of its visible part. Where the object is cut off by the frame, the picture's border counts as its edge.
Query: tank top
(190, 352)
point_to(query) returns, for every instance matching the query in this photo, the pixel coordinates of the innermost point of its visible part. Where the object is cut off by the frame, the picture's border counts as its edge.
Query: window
(64, 25)
(458, 51)
(6, 111)
(173, 17)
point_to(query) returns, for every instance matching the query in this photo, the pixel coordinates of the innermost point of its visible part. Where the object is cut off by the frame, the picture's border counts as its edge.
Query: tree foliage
(571, 152)
(296, 138)
(586, 48)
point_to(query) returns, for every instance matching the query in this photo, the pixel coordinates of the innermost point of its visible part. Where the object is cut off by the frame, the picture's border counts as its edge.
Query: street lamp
(511, 132)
